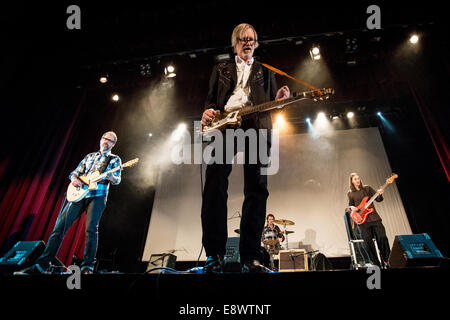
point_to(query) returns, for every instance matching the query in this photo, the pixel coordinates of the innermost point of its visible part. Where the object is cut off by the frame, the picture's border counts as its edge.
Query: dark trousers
(214, 208)
(368, 231)
(94, 208)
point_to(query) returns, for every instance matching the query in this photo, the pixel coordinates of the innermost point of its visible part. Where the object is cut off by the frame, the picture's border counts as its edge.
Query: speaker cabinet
(414, 250)
(161, 260)
(22, 255)
(292, 260)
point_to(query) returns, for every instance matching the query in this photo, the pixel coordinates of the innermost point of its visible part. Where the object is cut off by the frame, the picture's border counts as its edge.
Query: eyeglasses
(247, 40)
(112, 141)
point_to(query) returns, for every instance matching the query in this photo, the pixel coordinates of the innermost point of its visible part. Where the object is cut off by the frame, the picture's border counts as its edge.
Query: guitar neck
(368, 203)
(270, 105)
(100, 177)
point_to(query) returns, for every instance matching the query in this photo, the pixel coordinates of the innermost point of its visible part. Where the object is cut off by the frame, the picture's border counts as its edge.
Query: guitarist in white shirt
(93, 203)
(233, 84)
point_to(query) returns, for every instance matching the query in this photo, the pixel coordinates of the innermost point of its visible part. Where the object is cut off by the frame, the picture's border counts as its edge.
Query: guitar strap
(103, 168)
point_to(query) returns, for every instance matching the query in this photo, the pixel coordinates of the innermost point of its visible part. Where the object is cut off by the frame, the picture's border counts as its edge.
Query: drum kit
(271, 241)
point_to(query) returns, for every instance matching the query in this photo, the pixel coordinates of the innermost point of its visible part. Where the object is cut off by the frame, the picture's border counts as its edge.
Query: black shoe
(254, 267)
(213, 264)
(87, 270)
(34, 269)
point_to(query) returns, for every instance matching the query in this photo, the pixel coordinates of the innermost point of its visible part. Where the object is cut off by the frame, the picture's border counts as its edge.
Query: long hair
(351, 185)
(239, 32)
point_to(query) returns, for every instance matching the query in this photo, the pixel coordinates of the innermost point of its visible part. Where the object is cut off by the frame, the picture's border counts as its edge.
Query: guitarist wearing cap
(372, 227)
(93, 203)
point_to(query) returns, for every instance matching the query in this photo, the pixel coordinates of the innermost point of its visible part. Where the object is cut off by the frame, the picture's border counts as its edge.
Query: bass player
(373, 226)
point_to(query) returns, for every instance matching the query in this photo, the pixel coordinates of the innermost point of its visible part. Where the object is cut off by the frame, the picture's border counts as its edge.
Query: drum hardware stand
(378, 254)
(355, 264)
(285, 233)
(272, 265)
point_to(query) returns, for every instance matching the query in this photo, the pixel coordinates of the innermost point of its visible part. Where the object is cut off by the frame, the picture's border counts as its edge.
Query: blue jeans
(94, 208)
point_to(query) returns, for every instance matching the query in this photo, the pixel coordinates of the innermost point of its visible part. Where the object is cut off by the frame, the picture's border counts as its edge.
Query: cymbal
(285, 222)
(289, 232)
(238, 231)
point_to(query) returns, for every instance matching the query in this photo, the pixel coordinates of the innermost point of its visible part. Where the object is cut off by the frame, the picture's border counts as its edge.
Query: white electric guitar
(233, 119)
(75, 194)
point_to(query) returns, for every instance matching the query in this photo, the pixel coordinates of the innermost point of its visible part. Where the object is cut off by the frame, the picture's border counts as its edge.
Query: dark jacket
(262, 89)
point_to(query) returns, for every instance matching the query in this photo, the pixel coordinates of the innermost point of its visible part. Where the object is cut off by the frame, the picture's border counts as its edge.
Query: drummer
(271, 226)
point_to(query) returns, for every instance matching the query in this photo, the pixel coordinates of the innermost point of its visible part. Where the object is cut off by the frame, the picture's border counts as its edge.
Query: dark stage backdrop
(50, 120)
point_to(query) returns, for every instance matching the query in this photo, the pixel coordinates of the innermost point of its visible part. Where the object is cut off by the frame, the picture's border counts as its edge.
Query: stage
(241, 296)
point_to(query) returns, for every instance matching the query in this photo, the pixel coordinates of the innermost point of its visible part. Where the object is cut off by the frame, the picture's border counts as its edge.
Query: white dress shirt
(241, 92)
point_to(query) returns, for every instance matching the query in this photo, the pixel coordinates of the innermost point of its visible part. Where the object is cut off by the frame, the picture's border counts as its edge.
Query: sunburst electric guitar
(75, 194)
(233, 119)
(360, 213)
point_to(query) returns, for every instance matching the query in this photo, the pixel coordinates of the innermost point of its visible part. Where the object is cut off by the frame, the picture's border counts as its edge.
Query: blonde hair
(238, 33)
(113, 134)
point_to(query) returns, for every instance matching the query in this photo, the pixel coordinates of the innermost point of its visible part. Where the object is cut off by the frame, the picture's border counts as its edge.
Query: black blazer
(263, 88)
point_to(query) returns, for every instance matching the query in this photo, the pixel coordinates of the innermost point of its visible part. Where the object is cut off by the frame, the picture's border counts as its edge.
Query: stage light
(115, 97)
(150, 134)
(145, 69)
(280, 118)
(350, 114)
(385, 122)
(169, 71)
(315, 53)
(321, 116)
(103, 79)
(177, 134)
(351, 45)
(308, 120)
(414, 39)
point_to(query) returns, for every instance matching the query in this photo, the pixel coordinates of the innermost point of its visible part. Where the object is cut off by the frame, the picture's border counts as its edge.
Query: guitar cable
(201, 190)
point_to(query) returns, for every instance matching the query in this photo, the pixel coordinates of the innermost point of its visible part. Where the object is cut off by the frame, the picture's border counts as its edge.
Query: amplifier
(414, 250)
(22, 255)
(292, 260)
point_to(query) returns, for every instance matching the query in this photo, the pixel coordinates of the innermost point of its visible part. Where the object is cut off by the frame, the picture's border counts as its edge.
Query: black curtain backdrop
(54, 112)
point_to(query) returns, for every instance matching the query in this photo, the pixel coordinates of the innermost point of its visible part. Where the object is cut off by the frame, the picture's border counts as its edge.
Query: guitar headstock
(130, 163)
(323, 94)
(392, 178)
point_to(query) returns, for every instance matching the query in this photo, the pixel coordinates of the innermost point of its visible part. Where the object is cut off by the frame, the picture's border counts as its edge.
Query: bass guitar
(360, 213)
(75, 194)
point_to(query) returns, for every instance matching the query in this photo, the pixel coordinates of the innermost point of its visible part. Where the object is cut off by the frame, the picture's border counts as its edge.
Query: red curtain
(435, 132)
(33, 182)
